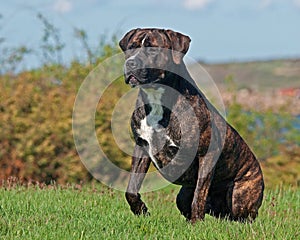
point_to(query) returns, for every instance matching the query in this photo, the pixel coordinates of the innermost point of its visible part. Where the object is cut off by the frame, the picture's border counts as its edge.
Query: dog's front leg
(205, 174)
(139, 168)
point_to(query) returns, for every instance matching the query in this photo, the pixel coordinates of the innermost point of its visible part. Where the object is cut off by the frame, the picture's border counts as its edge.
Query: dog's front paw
(137, 206)
(145, 210)
(140, 209)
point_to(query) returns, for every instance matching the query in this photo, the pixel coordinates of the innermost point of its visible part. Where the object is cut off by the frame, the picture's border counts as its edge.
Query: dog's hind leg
(184, 201)
(245, 198)
(216, 204)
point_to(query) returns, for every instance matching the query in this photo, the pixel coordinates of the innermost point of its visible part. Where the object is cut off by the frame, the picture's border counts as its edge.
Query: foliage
(12, 58)
(36, 138)
(96, 212)
(102, 49)
(51, 42)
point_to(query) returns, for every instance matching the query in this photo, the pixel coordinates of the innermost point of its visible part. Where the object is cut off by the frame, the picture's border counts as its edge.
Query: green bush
(36, 138)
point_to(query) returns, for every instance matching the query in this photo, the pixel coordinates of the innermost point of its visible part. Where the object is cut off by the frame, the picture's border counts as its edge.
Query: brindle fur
(232, 186)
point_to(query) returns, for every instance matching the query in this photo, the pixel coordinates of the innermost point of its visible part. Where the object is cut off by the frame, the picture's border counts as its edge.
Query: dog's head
(149, 52)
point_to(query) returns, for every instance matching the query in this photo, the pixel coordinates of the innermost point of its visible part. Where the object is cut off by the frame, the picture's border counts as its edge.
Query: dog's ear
(180, 44)
(126, 39)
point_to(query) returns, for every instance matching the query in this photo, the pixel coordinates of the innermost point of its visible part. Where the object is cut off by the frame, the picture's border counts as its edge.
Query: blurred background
(47, 48)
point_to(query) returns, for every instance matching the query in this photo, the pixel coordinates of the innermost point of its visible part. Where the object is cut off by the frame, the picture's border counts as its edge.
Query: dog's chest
(150, 130)
(154, 99)
(150, 124)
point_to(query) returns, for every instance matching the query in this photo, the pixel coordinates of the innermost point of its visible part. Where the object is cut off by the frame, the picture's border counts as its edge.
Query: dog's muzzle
(143, 68)
(131, 67)
(133, 63)
(134, 71)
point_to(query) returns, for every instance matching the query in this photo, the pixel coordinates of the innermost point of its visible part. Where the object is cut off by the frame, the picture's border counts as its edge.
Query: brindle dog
(197, 149)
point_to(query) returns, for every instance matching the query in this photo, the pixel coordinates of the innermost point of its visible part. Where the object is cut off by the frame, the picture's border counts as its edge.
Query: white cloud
(265, 3)
(297, 3)
(62, 6)
(196, 4)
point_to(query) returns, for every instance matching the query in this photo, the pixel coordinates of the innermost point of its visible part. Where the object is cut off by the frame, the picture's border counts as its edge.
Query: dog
(177, 129)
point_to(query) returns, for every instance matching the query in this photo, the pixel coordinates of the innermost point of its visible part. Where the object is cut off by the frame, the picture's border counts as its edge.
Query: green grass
(96, 212)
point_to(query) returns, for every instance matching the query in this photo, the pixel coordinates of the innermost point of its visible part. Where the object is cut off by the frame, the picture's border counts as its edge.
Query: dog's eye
(152, 50)
(133, 45)
(147, 44)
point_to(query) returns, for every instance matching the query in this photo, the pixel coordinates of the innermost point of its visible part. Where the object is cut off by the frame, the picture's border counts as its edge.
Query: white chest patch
(150, 130)
(154, 97)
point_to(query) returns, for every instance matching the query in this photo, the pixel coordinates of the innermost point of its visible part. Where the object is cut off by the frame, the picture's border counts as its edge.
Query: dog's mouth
(135, 81)
(132, 81)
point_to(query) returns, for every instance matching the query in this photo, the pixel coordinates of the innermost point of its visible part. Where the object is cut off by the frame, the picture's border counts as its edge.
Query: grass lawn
(96, 212)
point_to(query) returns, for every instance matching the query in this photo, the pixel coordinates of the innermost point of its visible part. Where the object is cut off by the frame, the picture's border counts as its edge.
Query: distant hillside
(261, 85)
(260, 75)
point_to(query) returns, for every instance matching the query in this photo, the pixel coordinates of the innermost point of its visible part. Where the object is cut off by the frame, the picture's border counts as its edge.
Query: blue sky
(221, 30)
